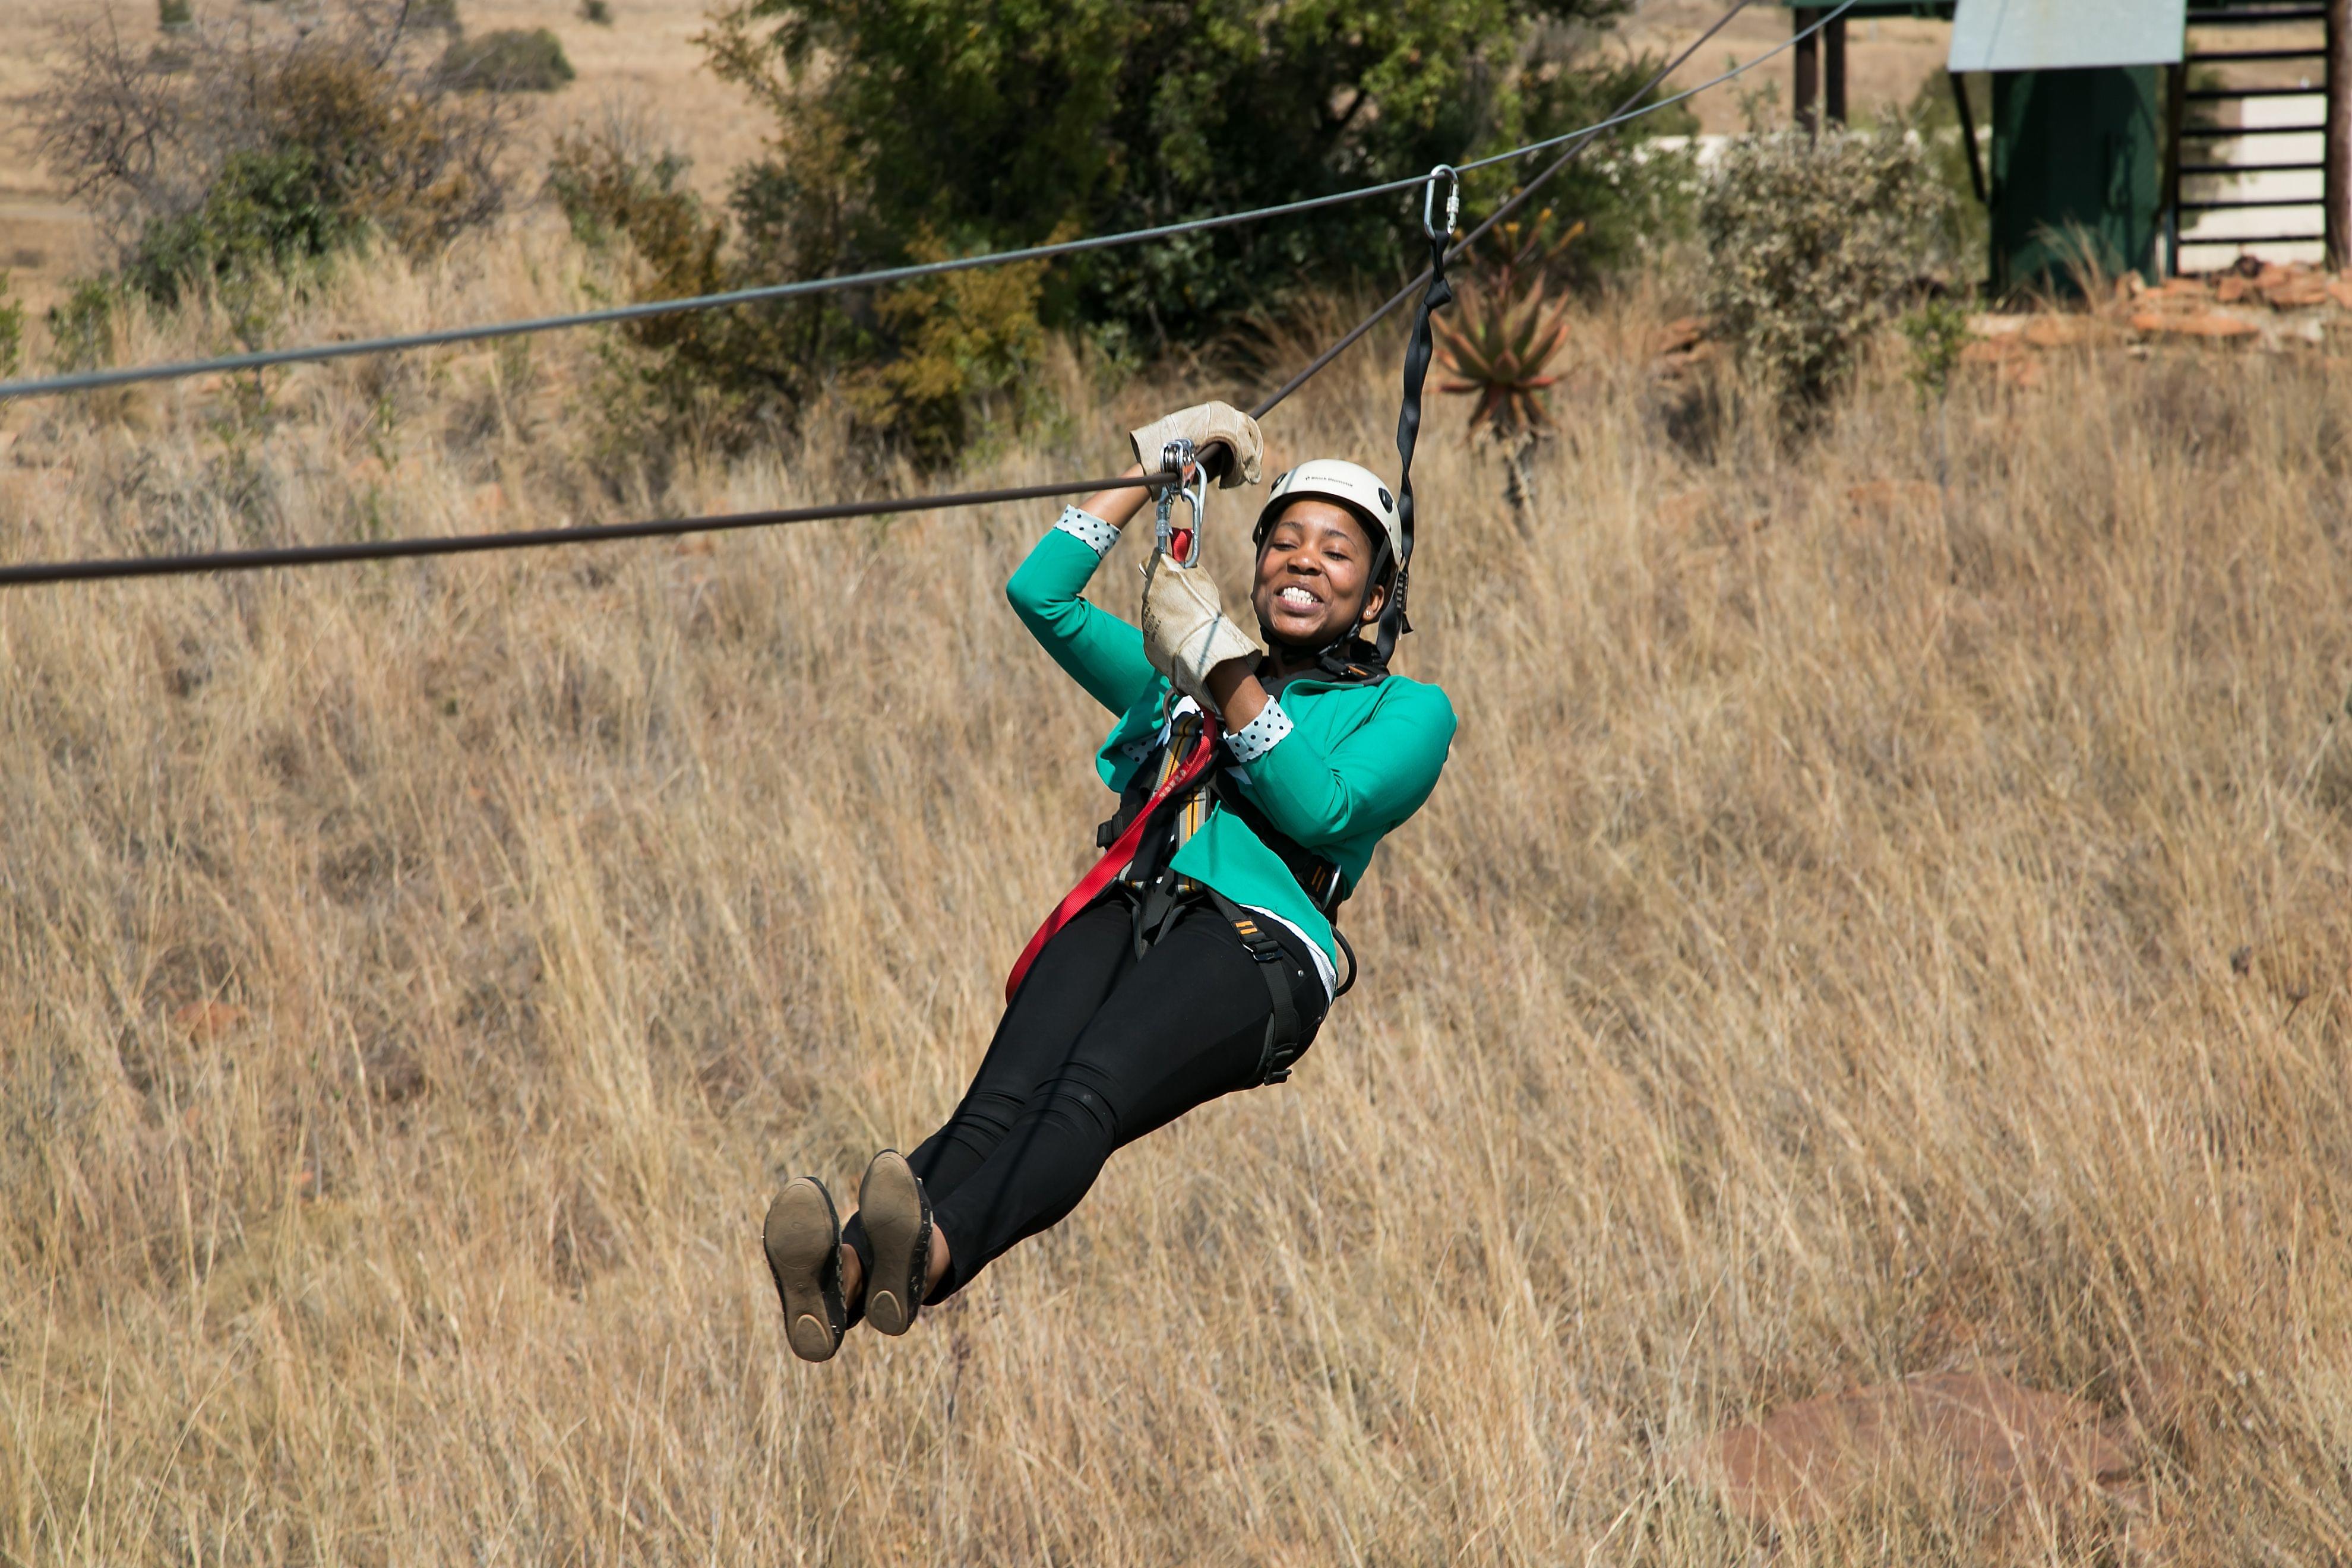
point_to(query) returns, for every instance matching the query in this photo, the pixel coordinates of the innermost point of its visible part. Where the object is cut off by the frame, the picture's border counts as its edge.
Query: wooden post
(1967, 116)
(2337, 181)
(2176, 114)
(1833, 71)
(1809, 71)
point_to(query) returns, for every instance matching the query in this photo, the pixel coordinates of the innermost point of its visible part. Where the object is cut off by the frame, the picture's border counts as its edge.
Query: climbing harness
(1180, 550)
(1285, 1034)
(1177, 787)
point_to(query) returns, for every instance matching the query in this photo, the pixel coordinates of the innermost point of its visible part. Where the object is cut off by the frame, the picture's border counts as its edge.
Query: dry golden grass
(646, 62)
(1815, 966)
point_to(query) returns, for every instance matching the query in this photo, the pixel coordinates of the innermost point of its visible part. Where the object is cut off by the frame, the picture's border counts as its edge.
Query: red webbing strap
(1116, 857)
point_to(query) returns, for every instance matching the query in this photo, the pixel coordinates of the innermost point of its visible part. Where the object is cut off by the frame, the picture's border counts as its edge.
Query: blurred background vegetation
(236, 154)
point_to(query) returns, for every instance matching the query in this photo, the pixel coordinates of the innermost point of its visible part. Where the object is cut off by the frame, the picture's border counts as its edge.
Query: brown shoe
(803, 1241)
(898, 1216)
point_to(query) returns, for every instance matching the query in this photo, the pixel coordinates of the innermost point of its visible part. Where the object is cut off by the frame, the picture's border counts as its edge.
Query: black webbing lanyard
(1416, 371)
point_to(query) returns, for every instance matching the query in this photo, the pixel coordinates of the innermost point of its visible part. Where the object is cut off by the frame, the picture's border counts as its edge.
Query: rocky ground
(2263, 306)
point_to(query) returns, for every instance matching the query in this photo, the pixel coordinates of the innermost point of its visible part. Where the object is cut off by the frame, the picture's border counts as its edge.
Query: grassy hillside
(1859, 933)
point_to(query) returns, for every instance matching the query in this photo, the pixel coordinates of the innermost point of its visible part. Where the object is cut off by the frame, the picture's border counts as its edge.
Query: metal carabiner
(1452, 202)
(1182, 545)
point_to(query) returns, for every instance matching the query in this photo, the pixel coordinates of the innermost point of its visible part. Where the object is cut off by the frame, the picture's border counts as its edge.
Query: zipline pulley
(1452, 178)
(1182, 545)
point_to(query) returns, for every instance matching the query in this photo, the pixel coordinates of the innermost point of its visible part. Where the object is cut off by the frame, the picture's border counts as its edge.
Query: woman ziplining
(1200, 957)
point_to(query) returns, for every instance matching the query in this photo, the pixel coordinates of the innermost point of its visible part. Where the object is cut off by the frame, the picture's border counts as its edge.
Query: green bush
(962, 350)
(1811, 244)
(82, 325)
(171, 14)
(1081, 116)
(608, 181)
(1099, 115)
(510, 59)
(598, 12)
(265, 214)
(720, 377)
(439, 14)
(926, 366)
(277, 144)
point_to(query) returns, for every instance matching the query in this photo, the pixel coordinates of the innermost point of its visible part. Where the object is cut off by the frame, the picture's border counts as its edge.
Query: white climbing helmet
(1358, 488)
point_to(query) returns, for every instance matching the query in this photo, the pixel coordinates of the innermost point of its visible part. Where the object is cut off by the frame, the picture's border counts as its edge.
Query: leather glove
(1204, 424)
(1185, 632)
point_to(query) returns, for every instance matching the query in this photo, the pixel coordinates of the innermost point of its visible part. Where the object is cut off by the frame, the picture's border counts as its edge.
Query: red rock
(2194, 324)
(2299, 292)
(1994, 1441)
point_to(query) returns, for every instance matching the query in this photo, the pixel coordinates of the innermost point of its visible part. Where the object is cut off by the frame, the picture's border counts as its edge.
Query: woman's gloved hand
(1185, 632)
(1203, 425)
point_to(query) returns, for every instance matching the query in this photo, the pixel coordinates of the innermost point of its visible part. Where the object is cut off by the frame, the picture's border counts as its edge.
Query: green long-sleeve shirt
(1357, 760)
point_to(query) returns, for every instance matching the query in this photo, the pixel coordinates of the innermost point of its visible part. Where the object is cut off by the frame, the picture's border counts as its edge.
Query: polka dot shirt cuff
(1260, 735)
(1087, 529)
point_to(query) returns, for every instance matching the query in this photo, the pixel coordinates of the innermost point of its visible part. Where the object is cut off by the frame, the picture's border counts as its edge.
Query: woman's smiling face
(1311, 576)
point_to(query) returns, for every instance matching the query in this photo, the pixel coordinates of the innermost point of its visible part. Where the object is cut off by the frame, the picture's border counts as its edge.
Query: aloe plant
(1501, 346)
(1500, 353)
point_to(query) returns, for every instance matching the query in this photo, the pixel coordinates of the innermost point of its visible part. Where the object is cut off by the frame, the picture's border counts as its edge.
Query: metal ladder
(2193, 150)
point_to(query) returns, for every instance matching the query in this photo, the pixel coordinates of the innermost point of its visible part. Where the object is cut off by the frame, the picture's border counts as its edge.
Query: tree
(987, 124)
(268, 141)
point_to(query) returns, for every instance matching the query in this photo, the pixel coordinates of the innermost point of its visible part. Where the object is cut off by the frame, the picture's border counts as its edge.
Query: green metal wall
(2075, 167)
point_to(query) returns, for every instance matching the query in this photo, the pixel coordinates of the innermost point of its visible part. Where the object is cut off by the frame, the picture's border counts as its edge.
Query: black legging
(1097, 1049)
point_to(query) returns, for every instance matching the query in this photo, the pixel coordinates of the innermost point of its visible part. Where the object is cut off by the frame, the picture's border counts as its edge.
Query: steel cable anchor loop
(1453, 177)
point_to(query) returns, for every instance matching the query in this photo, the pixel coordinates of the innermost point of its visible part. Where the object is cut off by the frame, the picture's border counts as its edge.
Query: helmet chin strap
(1333, 655)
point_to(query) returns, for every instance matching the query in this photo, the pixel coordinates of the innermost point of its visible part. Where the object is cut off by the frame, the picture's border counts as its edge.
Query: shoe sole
(800, 1237)
(890, 1200)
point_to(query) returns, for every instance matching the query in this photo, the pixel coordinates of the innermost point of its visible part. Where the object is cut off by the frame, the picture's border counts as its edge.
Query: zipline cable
(86, 380)
(92, 380)
(530, 538)
(36, 572)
